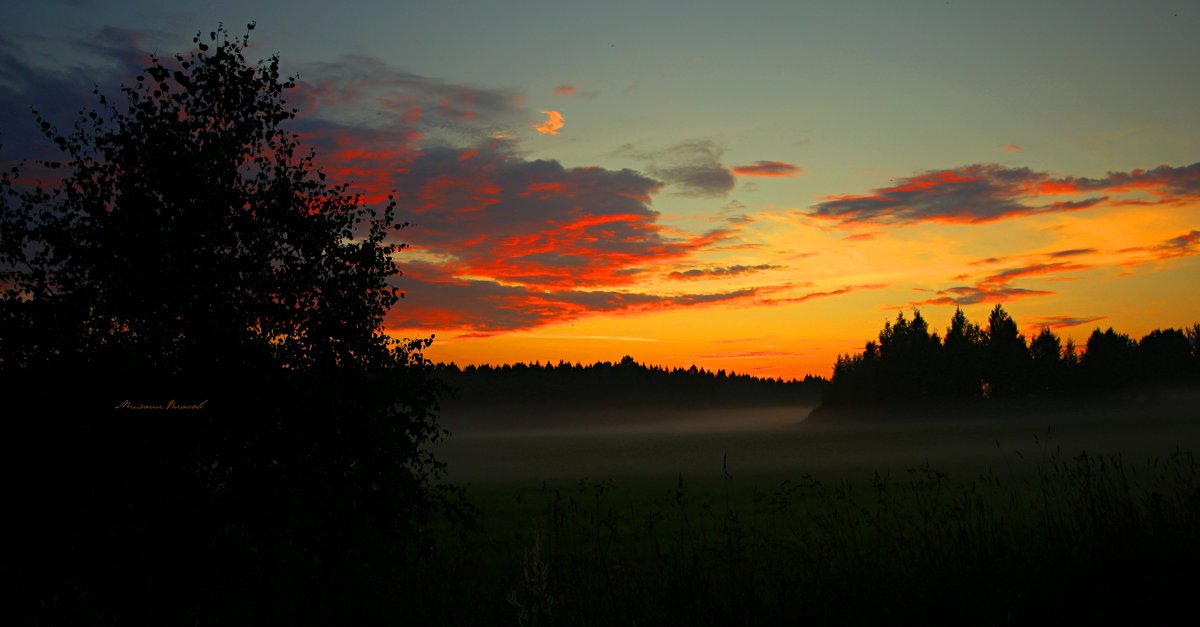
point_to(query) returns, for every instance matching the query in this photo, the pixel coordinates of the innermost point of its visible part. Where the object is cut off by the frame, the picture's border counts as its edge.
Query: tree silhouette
(1108, 360)
(1048, 366)
(192, 255)
(1164, 356)
(962, 358)
(972, 364)
(909, 356)
(1007, 357)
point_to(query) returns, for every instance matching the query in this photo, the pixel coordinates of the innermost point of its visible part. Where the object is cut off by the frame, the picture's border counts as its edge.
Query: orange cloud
(1011, 148)
(553, 123)
(768, 168)
(566, 90)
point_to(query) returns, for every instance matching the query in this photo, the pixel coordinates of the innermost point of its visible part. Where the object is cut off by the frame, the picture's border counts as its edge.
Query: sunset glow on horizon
(753, 188)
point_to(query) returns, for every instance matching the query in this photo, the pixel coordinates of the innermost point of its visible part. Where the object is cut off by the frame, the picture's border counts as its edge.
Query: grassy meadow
(755, 517)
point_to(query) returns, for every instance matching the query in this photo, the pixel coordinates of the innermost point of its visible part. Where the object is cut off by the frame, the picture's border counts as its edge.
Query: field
(754, 517)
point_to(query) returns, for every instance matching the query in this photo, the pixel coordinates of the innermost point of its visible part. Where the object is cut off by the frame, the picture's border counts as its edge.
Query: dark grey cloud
(522, 242)
(719, 272)
(1184, 245)
(535, 222)
(691, 168)
(365, 92)
(976, 294)
(1059, 322)
(986, 192)
(438, 300)
(58, 94)
(1072, 252)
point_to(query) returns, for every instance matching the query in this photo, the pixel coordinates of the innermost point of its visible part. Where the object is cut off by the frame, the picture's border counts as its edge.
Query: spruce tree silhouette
(1048, 367)
(191, 341)
(974, 364)
(1006, 356)
(910, 357)
(962, 358)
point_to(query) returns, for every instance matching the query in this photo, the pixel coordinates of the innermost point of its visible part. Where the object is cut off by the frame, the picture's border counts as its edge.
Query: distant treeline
(625, 383)
(911, 363)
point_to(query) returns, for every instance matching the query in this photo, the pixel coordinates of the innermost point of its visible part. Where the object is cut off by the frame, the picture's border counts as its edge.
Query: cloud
(1011, 148)
(498, 242)
(1179, 246)
(114, 56)
(537, 223)
(726, 271)
(997, 288)
(1008, 274)
(811, 295)
(692, 168)
(1058, 322)
(977, 294)
(553, 123)
(366, 93)
(768, 169)
(573, 91)
(749, 355)
(1072, 252)
(987, 192)
(486, 307)
(1184, 245)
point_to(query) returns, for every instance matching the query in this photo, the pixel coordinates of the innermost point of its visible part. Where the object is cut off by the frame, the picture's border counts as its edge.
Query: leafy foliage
(191, 329)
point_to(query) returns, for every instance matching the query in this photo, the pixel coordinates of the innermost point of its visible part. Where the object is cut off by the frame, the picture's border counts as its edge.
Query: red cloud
(517, 243)
(536, 223)
(768, 168)
(987, 192)
(486, 307)
(566, 90)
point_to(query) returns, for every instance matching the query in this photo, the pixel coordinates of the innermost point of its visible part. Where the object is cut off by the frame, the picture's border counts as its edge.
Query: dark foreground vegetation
(1066, 540)
(204, 422)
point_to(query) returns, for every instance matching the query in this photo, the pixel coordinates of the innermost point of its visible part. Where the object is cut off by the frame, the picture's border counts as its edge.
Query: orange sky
(751, 186)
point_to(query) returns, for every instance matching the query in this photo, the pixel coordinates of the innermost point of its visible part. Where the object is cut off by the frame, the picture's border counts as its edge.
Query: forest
(626, 384)
(974, 363)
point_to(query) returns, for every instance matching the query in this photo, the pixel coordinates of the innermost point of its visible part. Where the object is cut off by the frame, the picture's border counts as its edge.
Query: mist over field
(514, 446)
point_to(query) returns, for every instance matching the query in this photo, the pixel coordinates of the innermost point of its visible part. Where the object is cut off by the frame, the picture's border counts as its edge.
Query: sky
(752, 186)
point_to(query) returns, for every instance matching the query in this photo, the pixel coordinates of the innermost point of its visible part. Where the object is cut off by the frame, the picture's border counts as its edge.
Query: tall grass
(1071, 540)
